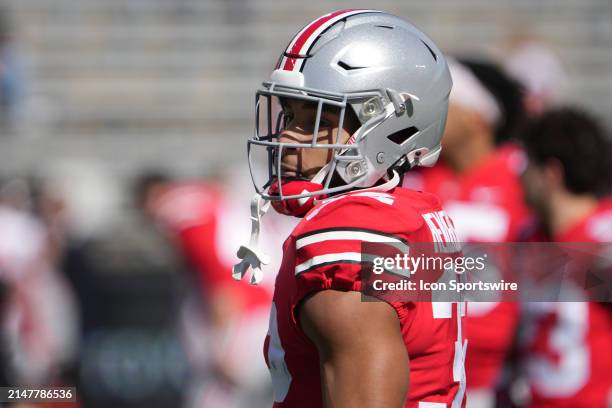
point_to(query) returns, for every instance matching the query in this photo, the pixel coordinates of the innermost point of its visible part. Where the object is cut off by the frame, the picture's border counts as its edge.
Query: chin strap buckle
(251, 255)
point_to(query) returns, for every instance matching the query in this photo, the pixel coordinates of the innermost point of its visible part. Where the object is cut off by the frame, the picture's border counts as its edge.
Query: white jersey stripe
(349, 235)
(431, 404)
(322, 259)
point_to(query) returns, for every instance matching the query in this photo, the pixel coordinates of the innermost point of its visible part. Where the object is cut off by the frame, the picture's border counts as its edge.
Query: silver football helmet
(393, 77)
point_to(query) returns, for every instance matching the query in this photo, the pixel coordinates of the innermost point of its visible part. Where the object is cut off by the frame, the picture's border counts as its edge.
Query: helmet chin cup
(297, 207)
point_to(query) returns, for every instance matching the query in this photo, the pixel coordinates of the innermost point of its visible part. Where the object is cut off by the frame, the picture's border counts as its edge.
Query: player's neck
(472, 153)
(567, 210)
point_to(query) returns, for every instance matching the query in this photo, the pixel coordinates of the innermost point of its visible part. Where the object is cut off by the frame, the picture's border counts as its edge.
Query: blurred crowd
(149, 313)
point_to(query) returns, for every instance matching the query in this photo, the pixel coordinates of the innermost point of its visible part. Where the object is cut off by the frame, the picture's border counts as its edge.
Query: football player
(567, 182)
(222, 318)
(478, 181)
(478, 176)
(357, 98)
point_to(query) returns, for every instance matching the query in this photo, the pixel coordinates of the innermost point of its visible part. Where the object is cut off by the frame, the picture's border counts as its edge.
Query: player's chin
(295, 175)
(284, 179)
(310, 173)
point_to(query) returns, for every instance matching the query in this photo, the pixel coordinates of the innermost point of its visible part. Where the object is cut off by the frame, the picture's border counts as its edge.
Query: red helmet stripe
(300, 43)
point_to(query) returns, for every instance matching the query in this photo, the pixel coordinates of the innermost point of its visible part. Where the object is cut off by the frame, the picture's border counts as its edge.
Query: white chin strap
(386, 186)
(320, 176)
(251, 255)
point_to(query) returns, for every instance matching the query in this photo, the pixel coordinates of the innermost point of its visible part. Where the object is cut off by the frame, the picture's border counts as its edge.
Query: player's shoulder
(599, 225)
(399, 210)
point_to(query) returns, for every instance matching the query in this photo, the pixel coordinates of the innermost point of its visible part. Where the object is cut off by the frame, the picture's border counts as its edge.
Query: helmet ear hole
(403, 135)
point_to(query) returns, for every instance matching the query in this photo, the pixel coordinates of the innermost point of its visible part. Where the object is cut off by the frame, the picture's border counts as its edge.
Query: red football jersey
(323, 252)
(486, 204)
(568, 357)
(191, 212)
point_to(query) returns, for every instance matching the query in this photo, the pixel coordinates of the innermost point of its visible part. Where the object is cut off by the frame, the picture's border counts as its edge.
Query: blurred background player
(477, 179)
(477, 176)
(224, 319)
(568, 183)
(38, 314)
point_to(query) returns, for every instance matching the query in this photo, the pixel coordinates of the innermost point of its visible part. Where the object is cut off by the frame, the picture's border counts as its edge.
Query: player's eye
(329, 118)
(287, 116)
(324, 122)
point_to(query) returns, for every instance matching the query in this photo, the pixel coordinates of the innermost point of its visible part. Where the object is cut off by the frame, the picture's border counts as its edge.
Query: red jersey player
(479, 185)
(199, 219)
(567, 361)
(357, 98)
(477, 180)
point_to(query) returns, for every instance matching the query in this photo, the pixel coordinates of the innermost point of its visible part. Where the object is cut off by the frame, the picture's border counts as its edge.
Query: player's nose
(290, 136)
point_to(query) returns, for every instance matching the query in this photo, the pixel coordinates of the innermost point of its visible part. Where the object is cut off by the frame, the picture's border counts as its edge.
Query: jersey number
(567, 341)
(444, 310)
(281, 378)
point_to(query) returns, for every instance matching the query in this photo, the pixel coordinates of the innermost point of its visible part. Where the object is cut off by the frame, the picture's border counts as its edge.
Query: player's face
(300, 119)
(458, 129)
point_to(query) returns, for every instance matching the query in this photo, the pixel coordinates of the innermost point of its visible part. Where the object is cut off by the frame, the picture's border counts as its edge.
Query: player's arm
(364, 362)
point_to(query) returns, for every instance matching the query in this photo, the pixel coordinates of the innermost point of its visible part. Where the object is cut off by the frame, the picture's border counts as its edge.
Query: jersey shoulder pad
(599, 226)
(329, 240)
(380, 211)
